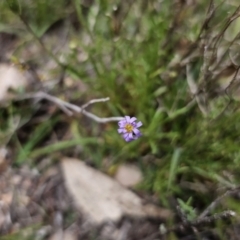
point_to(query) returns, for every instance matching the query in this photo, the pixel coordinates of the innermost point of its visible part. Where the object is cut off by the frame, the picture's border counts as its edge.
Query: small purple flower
(128, 128)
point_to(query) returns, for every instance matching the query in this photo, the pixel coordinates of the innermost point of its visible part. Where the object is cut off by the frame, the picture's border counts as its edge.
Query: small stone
(128, 175)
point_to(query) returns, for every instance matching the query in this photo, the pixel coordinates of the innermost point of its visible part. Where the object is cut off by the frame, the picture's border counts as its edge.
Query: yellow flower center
(129, 128)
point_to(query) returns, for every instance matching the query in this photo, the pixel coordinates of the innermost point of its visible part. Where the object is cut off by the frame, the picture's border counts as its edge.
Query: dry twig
(217, 201)
(70, 108)
(205, 220)
(195, 92)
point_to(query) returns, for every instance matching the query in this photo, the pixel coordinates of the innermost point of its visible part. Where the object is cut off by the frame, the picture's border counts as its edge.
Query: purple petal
(133, 119)
(136, 131)
(139, 124)
(128, 139)
(122, 123)
(130, 135)
(123, 120)
(120, 130)
(128, 119)
(139, 135)
(125, 135)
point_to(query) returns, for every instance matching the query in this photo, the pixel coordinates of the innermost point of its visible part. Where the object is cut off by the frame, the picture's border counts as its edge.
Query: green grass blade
(173, 167)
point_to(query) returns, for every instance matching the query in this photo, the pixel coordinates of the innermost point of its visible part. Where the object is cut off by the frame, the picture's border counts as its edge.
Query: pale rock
(128, 175)
(101, 198)
(10, 78)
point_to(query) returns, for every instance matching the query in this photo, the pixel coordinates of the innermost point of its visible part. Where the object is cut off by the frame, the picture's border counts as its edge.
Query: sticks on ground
(203, 219)
(70, 108)
(217, 201)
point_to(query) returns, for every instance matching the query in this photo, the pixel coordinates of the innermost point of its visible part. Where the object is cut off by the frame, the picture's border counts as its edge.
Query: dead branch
(195, 92)
(214, 204)
(70, 108)
(205, 220)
